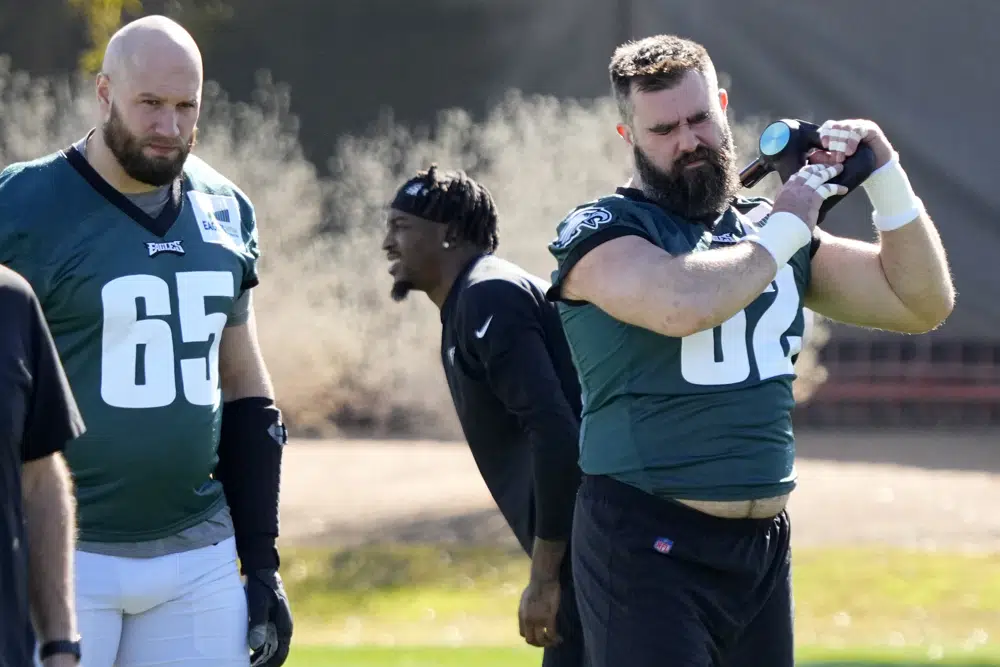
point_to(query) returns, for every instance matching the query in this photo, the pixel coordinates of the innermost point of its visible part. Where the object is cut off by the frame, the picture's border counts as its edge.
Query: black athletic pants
(570, 653)
(659, 583)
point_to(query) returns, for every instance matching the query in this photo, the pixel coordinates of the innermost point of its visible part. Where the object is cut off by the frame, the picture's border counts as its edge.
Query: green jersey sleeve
(585, 228)
(251, 241)
(12, 236)
(240, 312)
(18, 247)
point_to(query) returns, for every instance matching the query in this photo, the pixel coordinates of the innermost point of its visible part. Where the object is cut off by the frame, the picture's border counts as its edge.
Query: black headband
(412, 199)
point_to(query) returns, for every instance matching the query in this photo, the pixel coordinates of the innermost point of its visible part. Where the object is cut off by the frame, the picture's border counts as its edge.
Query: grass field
(423, 606)
(516, 657)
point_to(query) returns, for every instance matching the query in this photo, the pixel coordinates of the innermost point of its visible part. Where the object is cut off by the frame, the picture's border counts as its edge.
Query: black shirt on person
(516, 394)
(38, 417)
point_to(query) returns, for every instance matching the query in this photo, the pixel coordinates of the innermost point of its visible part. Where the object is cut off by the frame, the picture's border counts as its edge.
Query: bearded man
(682, 303)
(143, 258)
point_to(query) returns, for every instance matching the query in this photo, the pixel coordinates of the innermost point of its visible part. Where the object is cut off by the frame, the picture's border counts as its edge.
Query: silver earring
(445, 245)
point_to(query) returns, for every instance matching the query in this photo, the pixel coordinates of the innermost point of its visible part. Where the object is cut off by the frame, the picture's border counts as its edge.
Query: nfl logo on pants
(663, 545)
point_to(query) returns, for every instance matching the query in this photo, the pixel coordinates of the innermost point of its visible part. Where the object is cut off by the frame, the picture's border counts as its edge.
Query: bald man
(143, 258)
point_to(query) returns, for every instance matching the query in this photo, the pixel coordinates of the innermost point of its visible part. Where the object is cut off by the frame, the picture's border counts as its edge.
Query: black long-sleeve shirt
(516, 393)
(38, 417)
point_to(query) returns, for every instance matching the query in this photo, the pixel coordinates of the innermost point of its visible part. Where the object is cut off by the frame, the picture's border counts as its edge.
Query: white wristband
(891, 194)
(783, 235)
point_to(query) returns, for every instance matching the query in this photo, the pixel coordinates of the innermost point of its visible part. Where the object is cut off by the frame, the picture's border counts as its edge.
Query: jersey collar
(158, 226)
(637, 195)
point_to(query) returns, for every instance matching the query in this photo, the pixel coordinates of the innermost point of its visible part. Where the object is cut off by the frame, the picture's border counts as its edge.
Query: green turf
(514, 657)
(413, 657)
(436, 596)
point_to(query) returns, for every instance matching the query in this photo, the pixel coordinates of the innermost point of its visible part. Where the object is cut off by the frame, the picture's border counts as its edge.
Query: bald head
(149, 92)
(145, 42)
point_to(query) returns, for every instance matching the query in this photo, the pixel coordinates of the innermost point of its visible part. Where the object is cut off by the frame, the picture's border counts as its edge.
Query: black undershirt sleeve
(519, 370)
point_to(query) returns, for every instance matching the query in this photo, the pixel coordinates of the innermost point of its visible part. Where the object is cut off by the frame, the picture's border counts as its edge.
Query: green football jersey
(137, 306)
(706, 416)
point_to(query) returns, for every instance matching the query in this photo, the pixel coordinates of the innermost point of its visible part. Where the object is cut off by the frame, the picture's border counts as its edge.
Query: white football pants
(185, 609)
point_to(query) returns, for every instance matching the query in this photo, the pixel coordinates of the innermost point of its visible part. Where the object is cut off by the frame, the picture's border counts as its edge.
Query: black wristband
(58, 646)
(251, 442)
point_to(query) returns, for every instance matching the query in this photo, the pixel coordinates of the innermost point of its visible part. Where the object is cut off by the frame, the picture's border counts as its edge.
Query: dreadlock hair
(454, 199)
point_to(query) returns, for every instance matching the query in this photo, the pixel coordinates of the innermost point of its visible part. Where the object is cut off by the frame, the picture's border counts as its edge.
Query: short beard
(127, 149)
(696, 192)
(400, 290)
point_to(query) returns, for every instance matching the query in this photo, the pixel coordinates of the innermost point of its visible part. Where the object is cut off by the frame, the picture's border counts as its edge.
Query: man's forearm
(51, 532)
(556, 479)
(915, 265)
(525, 381)
(251, 440)
(912, 256)
(546, 559)
(251, 445)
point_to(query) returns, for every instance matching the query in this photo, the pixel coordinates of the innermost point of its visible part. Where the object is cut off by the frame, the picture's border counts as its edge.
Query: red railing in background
(906, 383)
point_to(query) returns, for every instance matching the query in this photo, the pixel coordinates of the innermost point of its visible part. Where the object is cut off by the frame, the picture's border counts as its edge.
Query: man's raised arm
(637, 282)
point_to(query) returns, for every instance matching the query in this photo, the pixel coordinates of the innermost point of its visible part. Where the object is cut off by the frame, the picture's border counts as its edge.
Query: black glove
(270, 630)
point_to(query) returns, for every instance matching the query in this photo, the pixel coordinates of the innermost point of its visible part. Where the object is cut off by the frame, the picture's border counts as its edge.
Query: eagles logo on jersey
(582, 220)
(138, 331)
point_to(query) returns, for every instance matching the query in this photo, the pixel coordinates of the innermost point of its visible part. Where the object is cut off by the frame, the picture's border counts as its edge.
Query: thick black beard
(127, 149)
(400, 290)
(697, 192)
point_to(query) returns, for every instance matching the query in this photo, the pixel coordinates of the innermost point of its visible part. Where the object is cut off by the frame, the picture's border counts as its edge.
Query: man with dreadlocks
(511, 378)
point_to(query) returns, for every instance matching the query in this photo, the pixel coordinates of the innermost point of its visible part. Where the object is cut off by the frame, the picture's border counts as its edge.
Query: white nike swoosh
(486, 325)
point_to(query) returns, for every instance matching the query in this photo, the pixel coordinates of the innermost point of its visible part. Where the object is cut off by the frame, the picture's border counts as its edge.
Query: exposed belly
(761, 508)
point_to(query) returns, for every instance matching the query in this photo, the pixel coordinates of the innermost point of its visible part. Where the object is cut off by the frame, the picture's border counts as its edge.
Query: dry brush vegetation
(343, 355)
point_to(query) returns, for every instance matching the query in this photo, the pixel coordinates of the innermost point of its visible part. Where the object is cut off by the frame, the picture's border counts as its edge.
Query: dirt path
(923, 490)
